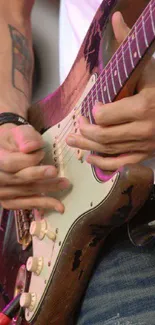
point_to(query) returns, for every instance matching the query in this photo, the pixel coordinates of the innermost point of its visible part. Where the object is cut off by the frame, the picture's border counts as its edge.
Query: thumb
(27, 139)
(120, 28)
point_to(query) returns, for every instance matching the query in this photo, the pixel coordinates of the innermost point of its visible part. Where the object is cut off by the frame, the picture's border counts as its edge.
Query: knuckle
(103, 136)
(82, 129)
(143, 109)
(109, 149)
(97, 116)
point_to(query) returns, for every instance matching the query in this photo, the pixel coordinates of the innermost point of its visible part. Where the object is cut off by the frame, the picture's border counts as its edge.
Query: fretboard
(123, 62)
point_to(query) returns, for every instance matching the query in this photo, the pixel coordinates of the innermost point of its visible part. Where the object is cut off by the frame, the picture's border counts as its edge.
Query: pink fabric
(75, 19)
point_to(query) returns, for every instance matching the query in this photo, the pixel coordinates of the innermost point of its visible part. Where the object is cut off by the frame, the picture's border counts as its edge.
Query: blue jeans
(122, 288)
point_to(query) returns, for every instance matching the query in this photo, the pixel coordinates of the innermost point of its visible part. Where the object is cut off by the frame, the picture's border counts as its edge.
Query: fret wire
(85, 109)
(88, 110)
(118, 71)
(118, 53)
(138, 49)
(152, 22)
(145, 38)
(82, 108)
(130, 52)
(101, 87)
(109, 74)
(118, 67)
(124, 62)
(107, 87)
(112, 78)
(96, 91)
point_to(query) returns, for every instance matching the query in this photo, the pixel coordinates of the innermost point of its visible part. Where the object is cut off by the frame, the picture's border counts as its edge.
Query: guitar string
(66, 146)
(67, 127)
(102, 76)
(85, 111)
(66, 153)
(62, 149)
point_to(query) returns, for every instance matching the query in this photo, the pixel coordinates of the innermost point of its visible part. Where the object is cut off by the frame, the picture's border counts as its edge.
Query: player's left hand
(125, 128)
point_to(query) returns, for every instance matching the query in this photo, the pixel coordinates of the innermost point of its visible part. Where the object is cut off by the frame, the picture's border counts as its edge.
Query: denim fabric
(121, 290)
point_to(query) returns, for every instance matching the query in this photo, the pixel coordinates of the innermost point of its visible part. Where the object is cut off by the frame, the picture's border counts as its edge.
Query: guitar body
(65, 246)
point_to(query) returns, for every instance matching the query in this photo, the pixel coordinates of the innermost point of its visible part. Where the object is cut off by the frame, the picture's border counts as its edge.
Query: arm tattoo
(21, 62)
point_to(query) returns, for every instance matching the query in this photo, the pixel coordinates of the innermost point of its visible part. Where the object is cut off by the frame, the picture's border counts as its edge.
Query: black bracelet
(8, 117)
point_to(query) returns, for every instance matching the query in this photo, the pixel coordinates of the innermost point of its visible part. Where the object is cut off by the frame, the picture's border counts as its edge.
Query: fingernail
(70, 140)
(49, 172)
(60, 209)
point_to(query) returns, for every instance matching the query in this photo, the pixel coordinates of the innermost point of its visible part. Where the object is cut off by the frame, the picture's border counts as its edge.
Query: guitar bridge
(23, 219)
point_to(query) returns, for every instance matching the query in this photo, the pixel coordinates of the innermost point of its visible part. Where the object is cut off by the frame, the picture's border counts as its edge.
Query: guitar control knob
(28, 300)
(35, 264)
(38, 228)
(50, 234)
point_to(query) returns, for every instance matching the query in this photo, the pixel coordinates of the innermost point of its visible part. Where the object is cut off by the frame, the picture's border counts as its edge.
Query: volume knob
(35, 264)
(28, 300)
(38, 228)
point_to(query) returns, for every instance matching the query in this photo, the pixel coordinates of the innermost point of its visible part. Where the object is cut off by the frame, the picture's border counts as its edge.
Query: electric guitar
(57, 252)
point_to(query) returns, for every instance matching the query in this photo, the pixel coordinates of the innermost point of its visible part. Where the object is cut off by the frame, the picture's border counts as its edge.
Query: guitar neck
(123, 62)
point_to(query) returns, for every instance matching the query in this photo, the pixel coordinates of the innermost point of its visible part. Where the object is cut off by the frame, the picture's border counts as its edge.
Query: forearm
(16, 56)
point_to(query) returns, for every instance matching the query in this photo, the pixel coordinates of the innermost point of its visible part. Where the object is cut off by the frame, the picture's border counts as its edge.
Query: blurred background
(45, 26)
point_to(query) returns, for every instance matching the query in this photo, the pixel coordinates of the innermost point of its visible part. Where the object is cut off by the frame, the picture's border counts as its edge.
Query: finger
(111, 148)
(24, 138)
(120, 28)
(28, 175)
(113, 163)
(13, 162)
(122, 111)
(139, 146)
(147, 79)
(137, 130)
(39, 202)
(78, 141)
(8, 192)
(35, 173)
(27, 138)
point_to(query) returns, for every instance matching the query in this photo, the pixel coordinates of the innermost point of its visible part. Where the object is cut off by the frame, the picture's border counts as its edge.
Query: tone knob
(38, 228)
(28, 300)
(35, 264)
(50, 234)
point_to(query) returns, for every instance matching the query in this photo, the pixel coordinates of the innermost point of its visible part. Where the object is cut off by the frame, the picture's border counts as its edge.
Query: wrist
(14, 110)
(9, 117)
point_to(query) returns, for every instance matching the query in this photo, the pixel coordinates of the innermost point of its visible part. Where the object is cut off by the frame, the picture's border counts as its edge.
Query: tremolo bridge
(23, 219)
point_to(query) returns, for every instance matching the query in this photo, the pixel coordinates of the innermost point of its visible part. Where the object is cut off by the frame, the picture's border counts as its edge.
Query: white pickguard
(86, 193)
